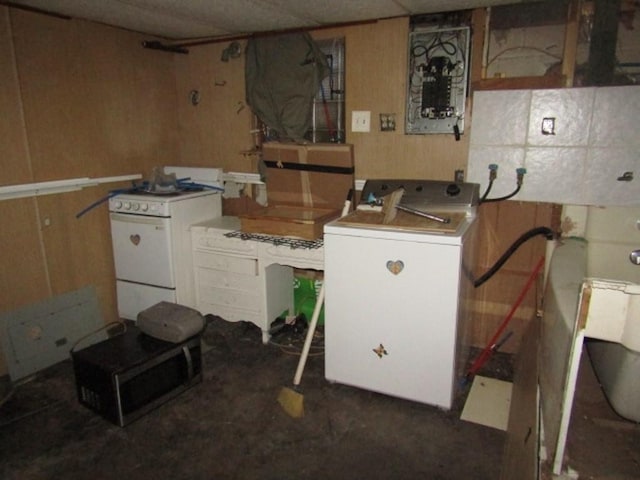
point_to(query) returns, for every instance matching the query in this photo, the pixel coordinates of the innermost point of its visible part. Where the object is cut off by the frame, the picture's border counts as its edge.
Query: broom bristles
(291, 402)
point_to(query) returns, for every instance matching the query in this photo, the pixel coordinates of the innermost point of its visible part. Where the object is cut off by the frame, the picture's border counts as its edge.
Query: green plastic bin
(305, 294)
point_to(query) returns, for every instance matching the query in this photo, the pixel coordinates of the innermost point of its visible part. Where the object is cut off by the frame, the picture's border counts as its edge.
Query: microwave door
(142, 389)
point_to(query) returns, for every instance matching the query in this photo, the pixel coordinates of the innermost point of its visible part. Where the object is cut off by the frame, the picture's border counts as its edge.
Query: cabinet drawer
(246, 266)
(228, 297)
(221, 243)
(227, 279)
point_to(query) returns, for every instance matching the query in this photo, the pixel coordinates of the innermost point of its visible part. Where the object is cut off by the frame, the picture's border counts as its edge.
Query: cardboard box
(307, 186)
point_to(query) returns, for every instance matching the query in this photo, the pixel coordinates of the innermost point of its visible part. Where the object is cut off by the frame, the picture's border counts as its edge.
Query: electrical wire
(30, 414)
(426, 46)
(8, 396)
(14, 387)
(295, 347)
(12, 390)
(104, 327)
(524, 47)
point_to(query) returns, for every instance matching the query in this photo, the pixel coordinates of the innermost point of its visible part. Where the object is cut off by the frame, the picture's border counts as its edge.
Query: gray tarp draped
(282, 76)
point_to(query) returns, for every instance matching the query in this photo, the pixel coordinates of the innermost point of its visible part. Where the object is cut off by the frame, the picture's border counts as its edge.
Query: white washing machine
(398, 295)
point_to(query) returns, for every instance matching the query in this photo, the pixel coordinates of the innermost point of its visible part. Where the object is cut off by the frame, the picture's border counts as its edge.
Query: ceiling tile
(330, 12)
(182, 19)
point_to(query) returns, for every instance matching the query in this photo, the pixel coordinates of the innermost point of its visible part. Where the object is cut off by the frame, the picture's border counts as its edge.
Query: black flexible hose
(486, 192)
(499, 199)
(546, 231)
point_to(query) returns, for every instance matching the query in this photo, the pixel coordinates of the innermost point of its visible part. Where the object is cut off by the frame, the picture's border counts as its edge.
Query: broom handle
(307, 341)
(316, 312)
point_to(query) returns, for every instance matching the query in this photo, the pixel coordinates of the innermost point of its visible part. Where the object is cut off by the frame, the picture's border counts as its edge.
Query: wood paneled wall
(376, 80)
(501, 224)
(80, 99)
(217, 131)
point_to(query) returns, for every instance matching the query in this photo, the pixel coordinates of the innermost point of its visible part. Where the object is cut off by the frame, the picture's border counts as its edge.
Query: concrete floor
(231, 427)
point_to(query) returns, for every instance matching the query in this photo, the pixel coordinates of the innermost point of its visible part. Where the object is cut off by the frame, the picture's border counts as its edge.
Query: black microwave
(126, 376)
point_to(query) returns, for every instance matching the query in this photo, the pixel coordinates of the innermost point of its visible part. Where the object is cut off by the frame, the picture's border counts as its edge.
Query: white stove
(398, 295)
(152, 241)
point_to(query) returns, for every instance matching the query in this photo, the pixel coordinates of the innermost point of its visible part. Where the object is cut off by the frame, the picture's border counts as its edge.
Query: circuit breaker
(437, 80)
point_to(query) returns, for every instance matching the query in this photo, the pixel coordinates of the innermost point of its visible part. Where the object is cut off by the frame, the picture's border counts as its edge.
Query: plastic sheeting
(282, 76)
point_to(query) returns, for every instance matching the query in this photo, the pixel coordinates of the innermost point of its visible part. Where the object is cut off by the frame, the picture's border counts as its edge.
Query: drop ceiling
(189, 19)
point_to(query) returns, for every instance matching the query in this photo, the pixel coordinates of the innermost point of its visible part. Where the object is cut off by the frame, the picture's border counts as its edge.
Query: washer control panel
(424, 193)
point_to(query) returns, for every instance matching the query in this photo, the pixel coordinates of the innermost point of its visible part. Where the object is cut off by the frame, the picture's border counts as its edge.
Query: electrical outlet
(387, 122)
(360, 121)
(549, 126)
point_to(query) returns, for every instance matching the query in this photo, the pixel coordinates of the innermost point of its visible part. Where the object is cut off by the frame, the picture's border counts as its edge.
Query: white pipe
(9, 192)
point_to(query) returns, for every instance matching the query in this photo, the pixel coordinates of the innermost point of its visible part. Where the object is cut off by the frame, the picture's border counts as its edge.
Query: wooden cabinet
(226, 273)
(227, 286)
(231, 281)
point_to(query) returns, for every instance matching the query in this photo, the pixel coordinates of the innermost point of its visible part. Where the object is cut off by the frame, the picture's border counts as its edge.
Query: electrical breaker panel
(437, 83)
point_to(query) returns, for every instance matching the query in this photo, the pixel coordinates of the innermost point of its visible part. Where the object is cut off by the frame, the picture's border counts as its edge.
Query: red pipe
(488, 350)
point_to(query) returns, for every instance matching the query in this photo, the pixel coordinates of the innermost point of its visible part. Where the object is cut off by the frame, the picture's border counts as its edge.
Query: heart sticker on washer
(395, 267)
(135, 239)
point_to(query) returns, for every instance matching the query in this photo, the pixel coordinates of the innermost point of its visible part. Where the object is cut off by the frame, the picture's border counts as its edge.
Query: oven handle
(137, 219)
(189, 360)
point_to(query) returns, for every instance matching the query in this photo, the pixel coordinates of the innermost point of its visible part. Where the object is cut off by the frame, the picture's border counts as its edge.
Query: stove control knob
(127, 206)
(144, 207)
(135, 207)
(453, 190)
(118, 205)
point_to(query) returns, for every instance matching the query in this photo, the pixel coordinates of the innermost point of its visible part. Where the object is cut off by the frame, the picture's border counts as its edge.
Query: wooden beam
(602, 50)
(479, 19)
(571, 42)
(518, 83)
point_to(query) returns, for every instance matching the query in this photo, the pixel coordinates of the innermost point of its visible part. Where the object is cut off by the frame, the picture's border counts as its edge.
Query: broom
(290, 398)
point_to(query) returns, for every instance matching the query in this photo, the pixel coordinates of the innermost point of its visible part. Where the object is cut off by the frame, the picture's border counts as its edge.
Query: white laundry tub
(597, 270)
(592, 297)
(614, 309)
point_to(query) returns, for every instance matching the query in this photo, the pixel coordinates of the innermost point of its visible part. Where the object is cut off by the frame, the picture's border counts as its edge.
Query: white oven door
(142, 249)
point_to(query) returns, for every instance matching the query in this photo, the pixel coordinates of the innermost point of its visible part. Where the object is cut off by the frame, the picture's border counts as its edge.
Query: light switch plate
(361, 121)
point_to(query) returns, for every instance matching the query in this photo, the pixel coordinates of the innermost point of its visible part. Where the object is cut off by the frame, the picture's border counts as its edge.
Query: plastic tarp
(282, 75)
